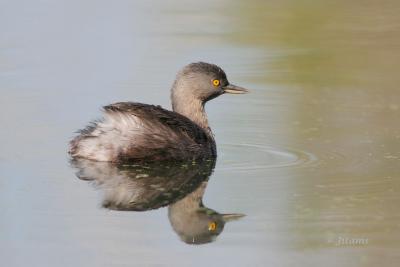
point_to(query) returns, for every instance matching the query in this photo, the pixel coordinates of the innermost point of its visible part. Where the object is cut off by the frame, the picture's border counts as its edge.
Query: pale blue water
(304, 176)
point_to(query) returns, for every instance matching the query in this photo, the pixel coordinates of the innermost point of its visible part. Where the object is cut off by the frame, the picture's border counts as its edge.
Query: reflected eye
(212, 226)
(216, 82)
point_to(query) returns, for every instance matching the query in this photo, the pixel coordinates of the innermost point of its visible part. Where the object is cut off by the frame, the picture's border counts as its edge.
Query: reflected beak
(233, 89)
(232, 216)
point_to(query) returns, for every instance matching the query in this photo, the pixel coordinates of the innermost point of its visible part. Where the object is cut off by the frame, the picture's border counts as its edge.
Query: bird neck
(194, 110)
(189, 203)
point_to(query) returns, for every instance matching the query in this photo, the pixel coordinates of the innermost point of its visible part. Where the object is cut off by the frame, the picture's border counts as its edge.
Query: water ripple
(259, 156)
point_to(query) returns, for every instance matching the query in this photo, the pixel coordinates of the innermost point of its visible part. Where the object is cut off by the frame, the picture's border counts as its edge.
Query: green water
(311, 155)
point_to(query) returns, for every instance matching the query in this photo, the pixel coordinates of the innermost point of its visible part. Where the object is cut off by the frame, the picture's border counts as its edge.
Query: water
(311, 156)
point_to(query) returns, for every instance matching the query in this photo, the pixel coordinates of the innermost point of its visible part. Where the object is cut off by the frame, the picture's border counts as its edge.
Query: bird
(144, 186)
(195, 223)
(149, 186)
(137, 132)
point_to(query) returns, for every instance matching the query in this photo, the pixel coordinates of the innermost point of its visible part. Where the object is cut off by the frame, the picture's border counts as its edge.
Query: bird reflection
(180, 186)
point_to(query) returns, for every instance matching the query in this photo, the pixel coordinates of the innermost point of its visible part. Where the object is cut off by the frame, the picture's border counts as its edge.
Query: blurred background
(311, 156)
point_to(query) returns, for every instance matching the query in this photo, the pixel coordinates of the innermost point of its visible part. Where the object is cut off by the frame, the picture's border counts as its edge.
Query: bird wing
(135, 131)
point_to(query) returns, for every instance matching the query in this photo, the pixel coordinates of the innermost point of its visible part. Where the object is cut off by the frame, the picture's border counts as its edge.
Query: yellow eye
(216, 82)
(212, 226)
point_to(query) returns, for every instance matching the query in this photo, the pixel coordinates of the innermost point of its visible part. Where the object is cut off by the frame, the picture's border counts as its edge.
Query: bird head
(200, 226)
(202, 81)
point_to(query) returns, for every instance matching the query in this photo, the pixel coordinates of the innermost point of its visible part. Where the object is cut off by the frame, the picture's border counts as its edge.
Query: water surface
(311, 156)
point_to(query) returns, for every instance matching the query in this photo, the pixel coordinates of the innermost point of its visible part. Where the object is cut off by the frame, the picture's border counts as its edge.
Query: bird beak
(232, 216)
(233, 89)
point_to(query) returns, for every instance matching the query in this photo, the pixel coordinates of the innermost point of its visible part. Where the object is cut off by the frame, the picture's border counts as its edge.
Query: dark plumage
(205, 68)
(142, 187)
(140, 132)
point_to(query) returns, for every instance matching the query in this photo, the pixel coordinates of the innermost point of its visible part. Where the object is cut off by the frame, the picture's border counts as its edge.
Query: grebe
(131, 132)
(153, 185)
